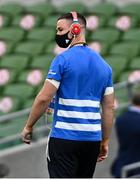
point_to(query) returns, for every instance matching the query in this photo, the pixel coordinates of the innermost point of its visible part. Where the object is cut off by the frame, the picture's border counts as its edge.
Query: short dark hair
(136, 99)
(81, 18)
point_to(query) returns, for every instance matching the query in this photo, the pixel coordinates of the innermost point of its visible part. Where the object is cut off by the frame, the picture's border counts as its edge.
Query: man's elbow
(43, 99)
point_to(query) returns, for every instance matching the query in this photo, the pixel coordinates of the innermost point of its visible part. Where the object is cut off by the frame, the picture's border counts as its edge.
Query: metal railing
(130, 167)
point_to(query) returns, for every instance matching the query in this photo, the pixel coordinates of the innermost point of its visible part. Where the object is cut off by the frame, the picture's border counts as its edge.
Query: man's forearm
(37, 110)
(107, 123)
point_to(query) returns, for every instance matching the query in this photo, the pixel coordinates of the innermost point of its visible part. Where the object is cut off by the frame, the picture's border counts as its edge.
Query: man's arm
(107, 122)
(40, 104)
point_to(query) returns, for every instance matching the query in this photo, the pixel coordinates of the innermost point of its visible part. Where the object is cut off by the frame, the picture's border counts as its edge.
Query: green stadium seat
(132, 35)
(11, 9)
(51, 21)
(43, 34)
(122, 95)
(21, 90)
(15, 61)
(126, 49)
(37, 75)
(103, 47)
(131, 9)
(106, 35)
(12, 76)
(31, 48)
(124, 76)
(102, 21)
(6, 20)
(118, 64)
(68, 7)
(112, 21)
(95, 22)
(135, 64)
(16, 21)
(16, 104)
(42, 9)
(13, 34)
(105, 9)
(50, 48)
(9, 46)
(28, 103)
(42, 62)
(14, 126)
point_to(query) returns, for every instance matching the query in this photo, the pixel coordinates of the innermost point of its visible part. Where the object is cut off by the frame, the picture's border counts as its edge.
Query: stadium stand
(27, 47)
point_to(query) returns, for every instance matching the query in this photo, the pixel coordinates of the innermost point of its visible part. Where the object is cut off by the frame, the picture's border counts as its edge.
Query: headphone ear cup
(75, 29)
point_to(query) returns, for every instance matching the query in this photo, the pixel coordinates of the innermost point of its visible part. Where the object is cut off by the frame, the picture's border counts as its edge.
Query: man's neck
(77, 40)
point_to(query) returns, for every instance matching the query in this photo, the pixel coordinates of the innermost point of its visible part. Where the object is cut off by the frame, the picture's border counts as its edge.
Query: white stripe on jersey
(76, 114)
(79, 103)
(78, 127)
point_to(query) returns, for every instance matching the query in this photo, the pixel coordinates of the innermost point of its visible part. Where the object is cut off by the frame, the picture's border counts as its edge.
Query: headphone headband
(74, 15)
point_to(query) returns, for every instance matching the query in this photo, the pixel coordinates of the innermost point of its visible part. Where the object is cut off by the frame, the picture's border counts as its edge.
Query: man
(81, 80)
(128, 134)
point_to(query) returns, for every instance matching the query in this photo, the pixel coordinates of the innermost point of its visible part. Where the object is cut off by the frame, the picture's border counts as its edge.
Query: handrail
(129, 167)
(13, 115)
(18, 136)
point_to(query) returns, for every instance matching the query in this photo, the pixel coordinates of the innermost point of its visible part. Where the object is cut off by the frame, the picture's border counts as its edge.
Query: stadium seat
(95, 22)
(132, 35)
(105, 9)
(50, 48)
(17, 20)
(51, 21)
(5, 20)
(42, 62)
(99, 47)
(106, 35)
(9, 104)
(13, 34)
(28, 103)
(11, 9)
(15, 61)
(12, 127)
(129, 21)
(7, 76)
(117, 67)
(122, 95)
(44, 10)
(68, 7)
(31, 48)
(127, 49)
(135, 63)
(6, 47)
(33, 77)
(124, 76)
(131, 9)
(21, 90)
(43, 34)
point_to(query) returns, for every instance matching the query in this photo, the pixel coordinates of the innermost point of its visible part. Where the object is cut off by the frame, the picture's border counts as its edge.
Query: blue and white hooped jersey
(84, 79)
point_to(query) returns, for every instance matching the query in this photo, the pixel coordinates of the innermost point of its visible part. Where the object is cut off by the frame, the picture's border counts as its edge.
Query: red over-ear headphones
(75, 27)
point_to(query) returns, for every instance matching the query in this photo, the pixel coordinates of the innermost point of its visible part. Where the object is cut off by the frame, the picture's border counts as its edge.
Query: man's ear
(70, 35)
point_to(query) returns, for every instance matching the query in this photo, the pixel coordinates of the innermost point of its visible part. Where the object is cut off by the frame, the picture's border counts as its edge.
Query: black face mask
(63, 40)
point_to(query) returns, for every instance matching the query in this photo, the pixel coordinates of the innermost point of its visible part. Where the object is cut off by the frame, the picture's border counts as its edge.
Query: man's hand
(103, 152)
(26, 135)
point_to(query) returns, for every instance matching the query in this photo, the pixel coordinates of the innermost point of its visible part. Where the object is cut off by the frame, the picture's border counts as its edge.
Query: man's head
(136, 99)
(64, 27)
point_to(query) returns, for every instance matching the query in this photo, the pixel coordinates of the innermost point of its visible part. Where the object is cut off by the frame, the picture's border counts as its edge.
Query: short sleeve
(57, 68)
(109, 87)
